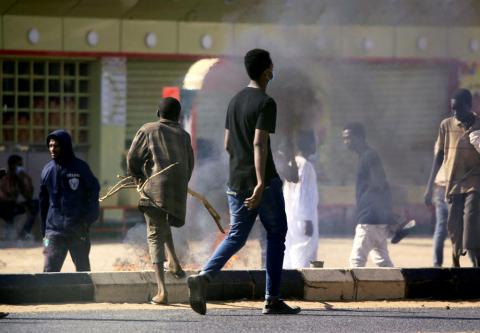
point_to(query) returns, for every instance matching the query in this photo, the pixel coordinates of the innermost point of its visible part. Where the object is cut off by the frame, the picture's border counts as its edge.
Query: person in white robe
(301, 201)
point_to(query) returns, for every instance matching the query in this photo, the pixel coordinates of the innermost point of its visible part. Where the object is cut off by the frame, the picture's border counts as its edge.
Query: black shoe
(3, 314)
(279, 307)
(402, 233)
(197, 285)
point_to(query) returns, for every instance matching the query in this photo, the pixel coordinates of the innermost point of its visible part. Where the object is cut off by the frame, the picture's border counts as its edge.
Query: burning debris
(137, 257)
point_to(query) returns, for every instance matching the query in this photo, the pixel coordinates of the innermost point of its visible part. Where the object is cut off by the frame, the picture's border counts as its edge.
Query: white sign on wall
(114, 91)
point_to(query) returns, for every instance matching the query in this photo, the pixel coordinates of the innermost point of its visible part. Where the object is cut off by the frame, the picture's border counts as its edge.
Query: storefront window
(38, 96)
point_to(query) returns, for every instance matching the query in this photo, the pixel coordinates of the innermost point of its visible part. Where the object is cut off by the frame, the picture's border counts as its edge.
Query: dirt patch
(104, 255)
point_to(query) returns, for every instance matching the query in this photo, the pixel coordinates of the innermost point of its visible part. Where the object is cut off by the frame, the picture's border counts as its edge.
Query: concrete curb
(312, 284)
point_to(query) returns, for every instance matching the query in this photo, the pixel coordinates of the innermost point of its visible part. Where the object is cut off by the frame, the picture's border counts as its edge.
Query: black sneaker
(402, 233)
(279, 307)
(197, 285)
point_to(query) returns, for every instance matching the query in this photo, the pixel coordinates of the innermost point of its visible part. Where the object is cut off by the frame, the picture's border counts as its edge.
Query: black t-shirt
(250, 109)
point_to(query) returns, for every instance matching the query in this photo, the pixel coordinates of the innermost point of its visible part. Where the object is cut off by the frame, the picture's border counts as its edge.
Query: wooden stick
(154, 175)
(216, 217)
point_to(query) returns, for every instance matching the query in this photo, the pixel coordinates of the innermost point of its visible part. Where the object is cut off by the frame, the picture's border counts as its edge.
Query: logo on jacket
(73, 182)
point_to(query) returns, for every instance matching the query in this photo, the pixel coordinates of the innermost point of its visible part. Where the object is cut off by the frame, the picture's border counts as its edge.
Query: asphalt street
(247, 320)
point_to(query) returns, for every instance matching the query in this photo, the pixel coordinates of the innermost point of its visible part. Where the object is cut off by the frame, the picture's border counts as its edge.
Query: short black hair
(13, 159)
(306, 143)
(463, 96)
(169, 109)
(357, 129)
(256, 62)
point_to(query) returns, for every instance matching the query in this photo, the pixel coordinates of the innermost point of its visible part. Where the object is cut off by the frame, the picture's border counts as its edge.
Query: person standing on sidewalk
(301, 199)
(163, 200)
(254, 187)
(461, 161)
(441, 215)
(68, 205)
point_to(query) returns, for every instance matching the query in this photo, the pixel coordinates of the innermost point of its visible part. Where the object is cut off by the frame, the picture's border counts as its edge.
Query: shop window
(8, 119)
(83, 86)
(23, 68)
(39, 103)
(38, 119)
(39, 68)
(83, 103)
(23, 102)
(69, 86)
(8, 85)
(8, 102)
(83, 69)
(54, 86)
(8, 67)
(38, 96)
(53, 69)
(69, 69)
(39, 85)
(83, 119)
(23, 135)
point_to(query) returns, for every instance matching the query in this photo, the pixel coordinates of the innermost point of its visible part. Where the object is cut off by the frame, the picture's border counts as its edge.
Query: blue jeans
(272, 215)
(55, 249)
(440, 234)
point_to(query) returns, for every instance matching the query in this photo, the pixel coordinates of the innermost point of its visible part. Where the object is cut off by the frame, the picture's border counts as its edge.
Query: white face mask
(19, 169)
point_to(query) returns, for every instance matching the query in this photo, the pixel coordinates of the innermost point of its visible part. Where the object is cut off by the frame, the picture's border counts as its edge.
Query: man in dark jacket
(69, 205)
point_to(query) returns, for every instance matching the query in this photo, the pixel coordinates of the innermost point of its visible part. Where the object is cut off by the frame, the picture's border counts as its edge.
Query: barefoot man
(163, 198)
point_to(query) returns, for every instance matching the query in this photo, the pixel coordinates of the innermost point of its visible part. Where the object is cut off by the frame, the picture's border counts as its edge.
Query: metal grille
(39, 96)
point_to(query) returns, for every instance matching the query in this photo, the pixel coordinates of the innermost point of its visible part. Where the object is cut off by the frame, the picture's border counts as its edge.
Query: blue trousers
(56, 248)
(272, 216)
(440, 233)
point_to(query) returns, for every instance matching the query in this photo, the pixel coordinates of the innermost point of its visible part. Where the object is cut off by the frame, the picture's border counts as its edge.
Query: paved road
(247, 320)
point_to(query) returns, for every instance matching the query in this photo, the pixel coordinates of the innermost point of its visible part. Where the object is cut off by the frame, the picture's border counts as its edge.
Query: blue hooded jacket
(68, 192)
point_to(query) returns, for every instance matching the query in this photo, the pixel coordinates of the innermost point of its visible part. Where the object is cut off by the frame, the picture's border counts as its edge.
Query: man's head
(59, 144)
(354, 135)
(14, 162)
(461, 104)
(306, 143)
(259, 65)
(169, 109)
(54, 148)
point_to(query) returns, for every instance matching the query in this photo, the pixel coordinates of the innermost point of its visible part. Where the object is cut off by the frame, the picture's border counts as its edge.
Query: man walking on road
(254, 187)
(374, 202)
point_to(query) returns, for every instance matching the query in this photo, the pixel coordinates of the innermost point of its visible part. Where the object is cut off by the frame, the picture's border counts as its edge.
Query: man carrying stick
(163, 196)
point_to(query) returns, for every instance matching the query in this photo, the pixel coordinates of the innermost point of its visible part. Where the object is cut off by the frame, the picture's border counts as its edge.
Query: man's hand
(254, 200)
(427, 198)
(308, 228)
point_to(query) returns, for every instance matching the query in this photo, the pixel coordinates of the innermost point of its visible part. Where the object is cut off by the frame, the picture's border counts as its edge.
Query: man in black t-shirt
(254, 187)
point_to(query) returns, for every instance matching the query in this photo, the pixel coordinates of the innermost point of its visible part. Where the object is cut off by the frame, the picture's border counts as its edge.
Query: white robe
(301, 201)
